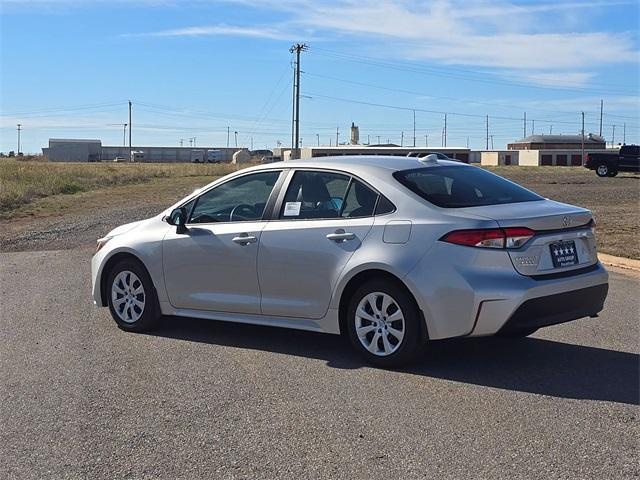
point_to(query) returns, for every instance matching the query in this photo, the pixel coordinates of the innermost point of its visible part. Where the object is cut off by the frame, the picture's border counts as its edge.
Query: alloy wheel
(128, 296)
(603, 170)
(379, 323)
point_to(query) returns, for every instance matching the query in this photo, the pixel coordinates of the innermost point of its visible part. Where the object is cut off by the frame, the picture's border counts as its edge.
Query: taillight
(585, 160)
(515, 237)
(512, 237)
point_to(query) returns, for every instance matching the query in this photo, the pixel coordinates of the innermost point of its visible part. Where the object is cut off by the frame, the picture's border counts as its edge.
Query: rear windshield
(459, 187)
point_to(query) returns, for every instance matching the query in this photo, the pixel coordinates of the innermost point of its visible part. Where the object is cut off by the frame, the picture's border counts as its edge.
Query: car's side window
(314, 195)
(239, 200)
(360, 201)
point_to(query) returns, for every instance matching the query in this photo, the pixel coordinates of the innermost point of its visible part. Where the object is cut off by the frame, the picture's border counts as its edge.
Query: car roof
(369, 163)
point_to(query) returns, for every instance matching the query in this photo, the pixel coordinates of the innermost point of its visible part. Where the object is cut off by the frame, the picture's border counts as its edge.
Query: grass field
(22, 182)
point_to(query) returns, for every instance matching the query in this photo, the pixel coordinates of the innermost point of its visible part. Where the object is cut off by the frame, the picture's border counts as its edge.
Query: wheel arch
(360, 279)
(108, 265)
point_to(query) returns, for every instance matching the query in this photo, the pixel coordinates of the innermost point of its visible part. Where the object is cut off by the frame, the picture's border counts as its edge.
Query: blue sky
(194, 68)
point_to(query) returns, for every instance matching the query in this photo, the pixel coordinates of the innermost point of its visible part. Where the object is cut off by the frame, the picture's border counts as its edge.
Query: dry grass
(23, 182)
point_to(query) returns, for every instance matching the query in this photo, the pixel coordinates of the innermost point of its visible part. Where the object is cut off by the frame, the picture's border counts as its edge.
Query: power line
(434, 71)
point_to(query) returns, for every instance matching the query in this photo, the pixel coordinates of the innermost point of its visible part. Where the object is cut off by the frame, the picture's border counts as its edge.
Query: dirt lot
(70, 220)
(615, 202)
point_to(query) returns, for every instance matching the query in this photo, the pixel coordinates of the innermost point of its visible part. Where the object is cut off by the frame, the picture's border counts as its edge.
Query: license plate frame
(564, 253)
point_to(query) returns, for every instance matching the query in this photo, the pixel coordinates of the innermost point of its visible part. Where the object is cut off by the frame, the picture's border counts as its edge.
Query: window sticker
(292, 209)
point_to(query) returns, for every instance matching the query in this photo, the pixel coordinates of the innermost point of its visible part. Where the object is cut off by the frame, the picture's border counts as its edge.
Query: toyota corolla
(392, 252)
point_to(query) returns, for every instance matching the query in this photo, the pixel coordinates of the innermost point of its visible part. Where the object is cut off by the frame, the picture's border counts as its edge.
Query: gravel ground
(79, 398)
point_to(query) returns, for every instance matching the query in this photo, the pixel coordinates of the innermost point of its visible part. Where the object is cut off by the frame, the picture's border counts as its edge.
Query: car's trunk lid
(561, 232)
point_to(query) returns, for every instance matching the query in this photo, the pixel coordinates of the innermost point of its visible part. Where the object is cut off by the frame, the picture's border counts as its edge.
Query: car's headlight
(101, 242)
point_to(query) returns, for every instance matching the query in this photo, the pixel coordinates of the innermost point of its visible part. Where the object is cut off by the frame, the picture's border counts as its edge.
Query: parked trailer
(197, 156)
(215, 156)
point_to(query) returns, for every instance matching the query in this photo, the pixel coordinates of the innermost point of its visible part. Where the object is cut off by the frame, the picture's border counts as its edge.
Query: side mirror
(178, 218)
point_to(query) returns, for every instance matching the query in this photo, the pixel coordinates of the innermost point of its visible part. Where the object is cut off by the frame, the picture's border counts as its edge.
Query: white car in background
(391, 251)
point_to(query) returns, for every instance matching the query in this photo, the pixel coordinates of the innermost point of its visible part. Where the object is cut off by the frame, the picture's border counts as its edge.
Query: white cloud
(216, 30)
(552, 43)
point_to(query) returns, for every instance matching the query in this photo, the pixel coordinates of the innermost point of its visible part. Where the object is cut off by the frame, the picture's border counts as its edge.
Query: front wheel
(384, 324)
(132, 298)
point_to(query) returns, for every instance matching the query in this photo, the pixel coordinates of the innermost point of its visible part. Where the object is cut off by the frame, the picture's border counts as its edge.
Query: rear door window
(459, 187)
(360, 201)
(315, 195)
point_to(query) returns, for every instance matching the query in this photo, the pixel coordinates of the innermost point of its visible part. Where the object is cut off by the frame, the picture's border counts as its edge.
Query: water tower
(355, 134)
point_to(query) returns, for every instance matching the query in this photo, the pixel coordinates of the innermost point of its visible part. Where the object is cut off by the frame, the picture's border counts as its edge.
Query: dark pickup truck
(608, 164)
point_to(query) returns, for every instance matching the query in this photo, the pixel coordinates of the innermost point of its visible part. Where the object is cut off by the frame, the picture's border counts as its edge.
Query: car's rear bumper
(559, 308)
(472, 292)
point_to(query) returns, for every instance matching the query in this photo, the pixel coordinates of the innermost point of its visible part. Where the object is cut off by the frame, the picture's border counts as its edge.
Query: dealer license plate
(564, 254)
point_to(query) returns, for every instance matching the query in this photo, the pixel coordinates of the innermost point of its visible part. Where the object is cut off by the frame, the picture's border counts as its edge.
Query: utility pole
(251, 143)
(191, 142)
(533, 127)
(550, 129)
(378, 139)
(402, 139)
(467, 142)
(414, 129)
(491, 141)
(426, 140)
(236, 136)
(228, 137)
(194, 141)
(624, 133)
(613, 137)
(337, 135)
(582, 137)
(601, 110)
(130, 128)
(318, 137)
(124, 134)
(445, 129)
(524, 126)
(297, 48)
(368, 140)
(19, 129)
(181, 142)
(487, 132)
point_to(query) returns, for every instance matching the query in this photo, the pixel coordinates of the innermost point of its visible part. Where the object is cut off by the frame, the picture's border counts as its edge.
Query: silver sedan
(390, 251)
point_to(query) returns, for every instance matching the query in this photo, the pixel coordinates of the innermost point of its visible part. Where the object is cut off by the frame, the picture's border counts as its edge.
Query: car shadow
(530, 365)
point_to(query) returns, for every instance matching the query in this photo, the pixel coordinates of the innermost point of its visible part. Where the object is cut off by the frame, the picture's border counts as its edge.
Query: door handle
(244, 239)
(341, 236)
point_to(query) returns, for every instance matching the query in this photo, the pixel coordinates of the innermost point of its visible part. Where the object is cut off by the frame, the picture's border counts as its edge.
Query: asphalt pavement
(80, 398)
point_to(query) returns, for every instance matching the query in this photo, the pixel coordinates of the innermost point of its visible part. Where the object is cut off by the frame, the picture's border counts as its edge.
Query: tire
(133, 302)
(602, 170)
(612, 173)
(525, 332)
(389, 350)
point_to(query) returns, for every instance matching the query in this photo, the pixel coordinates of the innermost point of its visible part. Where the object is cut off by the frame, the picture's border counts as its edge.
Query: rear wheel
(383, 323)
(132, 299)
(603, 170)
